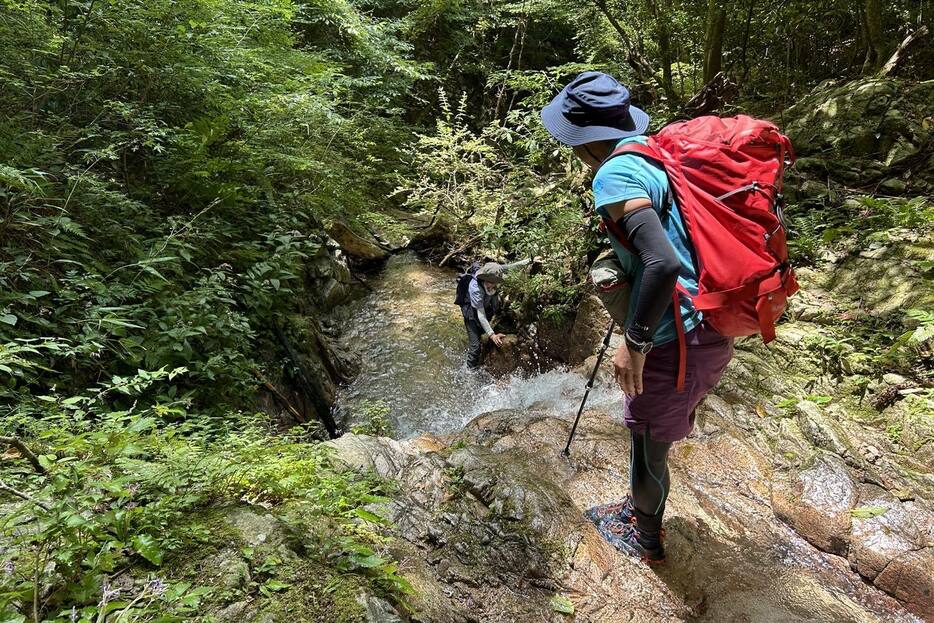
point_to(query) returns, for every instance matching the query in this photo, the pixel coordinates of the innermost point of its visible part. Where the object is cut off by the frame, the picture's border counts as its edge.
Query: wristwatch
(638, 346)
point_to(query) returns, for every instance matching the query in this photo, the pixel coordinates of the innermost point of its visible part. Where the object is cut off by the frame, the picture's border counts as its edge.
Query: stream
(731, 558)
(412, 343)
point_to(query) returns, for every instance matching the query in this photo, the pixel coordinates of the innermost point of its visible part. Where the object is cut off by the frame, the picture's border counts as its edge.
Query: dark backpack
(463, 284)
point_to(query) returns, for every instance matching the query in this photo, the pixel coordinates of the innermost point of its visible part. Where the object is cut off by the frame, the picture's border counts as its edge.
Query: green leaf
(273, 586)
(367, 562)
(868, 512)
(9, 319)
(560, 603)
(147, 547)
(369, 516)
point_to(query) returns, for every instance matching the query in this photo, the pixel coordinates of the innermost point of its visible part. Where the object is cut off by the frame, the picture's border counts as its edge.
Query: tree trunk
(898, 56)
(664, 47)
(640, 65)
(744, 58)
(713, 46)
(875, 46)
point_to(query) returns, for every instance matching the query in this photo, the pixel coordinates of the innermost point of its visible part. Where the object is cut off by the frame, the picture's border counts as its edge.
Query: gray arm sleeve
(481, 316)
(662, 265)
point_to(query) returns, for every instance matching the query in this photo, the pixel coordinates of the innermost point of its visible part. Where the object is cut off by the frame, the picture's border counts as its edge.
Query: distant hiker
(593, 114)
(479, 301)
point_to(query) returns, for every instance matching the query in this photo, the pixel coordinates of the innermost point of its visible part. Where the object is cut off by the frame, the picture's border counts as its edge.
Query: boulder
(910, 578)
(377, 610)
(257, 529)
(354, 244)
(820, 429)
(588, 331)
(364, 453)
(504, 359)
(228, 570)
(869, 120)
(554, 337)
(883, 530)
(893, 185)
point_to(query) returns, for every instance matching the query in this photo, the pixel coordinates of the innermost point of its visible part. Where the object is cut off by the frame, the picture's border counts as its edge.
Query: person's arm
(646, 234)
(644, 230)
(481, 316)
(516, 264)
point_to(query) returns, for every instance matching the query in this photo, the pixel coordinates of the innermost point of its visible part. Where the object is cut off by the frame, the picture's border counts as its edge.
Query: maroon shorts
(668, 415)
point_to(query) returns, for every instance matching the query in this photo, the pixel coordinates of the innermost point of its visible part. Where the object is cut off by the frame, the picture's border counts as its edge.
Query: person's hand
(497, 338)
(627, 369)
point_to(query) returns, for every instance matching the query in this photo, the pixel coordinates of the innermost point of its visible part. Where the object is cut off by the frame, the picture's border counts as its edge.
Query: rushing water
(412, 345)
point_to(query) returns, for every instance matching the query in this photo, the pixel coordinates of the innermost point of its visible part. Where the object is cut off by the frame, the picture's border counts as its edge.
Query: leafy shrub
(127, 492)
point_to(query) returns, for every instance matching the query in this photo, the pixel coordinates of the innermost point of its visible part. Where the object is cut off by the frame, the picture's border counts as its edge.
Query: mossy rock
(316, 593)
(872, 120)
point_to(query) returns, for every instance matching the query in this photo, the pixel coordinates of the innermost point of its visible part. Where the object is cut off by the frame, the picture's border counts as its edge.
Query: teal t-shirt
(628, 177)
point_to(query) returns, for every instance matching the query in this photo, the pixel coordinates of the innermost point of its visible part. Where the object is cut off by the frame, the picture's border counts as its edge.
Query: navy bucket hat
(594, 106)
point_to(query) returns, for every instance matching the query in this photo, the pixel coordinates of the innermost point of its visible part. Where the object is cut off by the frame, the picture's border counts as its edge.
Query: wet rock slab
(489, 527)
(817, 503)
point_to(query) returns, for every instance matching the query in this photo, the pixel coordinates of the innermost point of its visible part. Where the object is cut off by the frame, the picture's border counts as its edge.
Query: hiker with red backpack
(704, 266)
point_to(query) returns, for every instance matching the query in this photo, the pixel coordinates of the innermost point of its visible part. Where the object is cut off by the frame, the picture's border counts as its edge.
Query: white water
(412, 345)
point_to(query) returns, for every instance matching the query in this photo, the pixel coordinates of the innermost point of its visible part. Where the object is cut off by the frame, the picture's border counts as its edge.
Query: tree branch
(643, 68)
(460, 249)
(892, 64)
(26, 452)
(282, 399)
(715, 94)
(24, 496)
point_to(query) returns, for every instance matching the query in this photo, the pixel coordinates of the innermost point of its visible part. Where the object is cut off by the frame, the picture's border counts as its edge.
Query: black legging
(649, 481)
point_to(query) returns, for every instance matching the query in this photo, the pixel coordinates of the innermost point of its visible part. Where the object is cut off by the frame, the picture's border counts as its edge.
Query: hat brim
(569, 134)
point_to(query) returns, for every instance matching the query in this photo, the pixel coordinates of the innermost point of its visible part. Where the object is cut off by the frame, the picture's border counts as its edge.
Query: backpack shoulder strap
(649, 153)
(635, 148)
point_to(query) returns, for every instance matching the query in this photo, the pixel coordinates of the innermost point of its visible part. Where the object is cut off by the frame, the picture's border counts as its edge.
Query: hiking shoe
(621, 511)
(626, 538)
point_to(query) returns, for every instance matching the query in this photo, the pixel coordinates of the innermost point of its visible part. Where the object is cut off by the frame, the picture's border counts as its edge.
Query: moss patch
(317, 593)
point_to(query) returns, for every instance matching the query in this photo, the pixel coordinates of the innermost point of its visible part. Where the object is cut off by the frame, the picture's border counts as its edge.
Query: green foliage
(166, 167)
(560, 603)
(859, 220)
(489, 184)
(868, 512)
(374, 415)
(127, 492)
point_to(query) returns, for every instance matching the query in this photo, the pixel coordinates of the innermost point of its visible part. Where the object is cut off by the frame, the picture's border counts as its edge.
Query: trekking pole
(606, 344)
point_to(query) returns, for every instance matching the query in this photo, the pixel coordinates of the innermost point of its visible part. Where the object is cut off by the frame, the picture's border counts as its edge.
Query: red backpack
(726, 175)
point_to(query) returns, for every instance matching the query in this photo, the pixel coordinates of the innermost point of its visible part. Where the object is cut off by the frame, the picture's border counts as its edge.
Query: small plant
(122, 494)
(454, 475)
(894, 432)
(375, 416)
